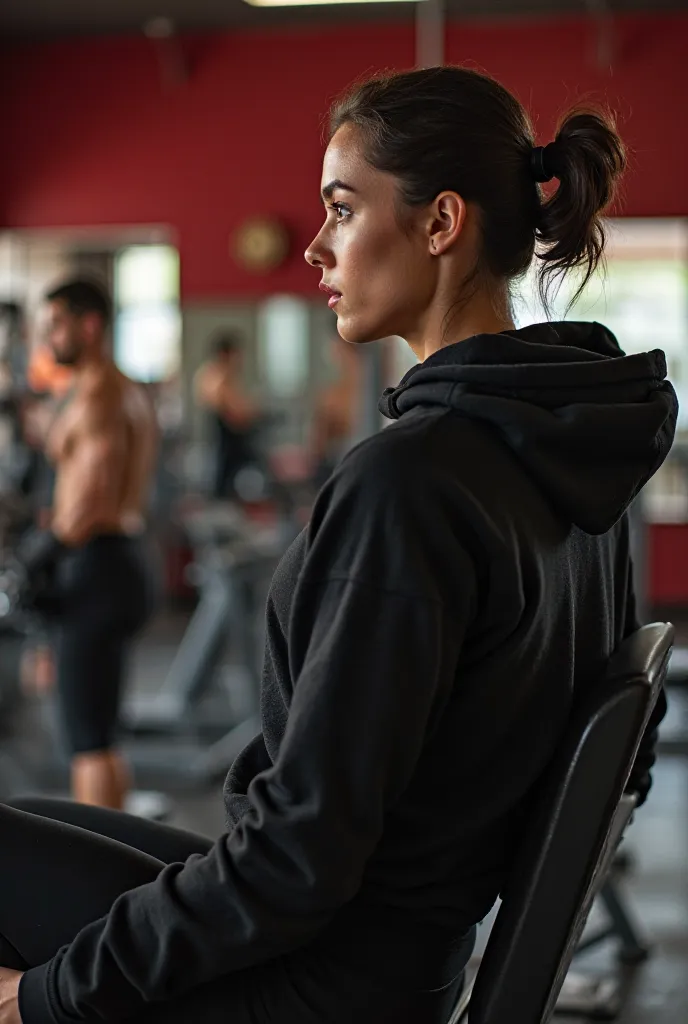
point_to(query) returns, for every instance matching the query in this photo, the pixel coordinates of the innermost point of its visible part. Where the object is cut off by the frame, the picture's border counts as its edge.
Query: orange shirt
(44, 374)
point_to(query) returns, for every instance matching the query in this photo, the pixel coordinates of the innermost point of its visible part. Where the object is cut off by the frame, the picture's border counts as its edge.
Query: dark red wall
(90, 137)
(668, 564)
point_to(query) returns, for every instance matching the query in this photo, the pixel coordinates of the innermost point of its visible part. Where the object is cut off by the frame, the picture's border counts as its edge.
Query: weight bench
(578, 817)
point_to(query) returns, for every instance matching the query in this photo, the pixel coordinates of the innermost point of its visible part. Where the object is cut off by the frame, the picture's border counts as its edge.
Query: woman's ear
(448, 216)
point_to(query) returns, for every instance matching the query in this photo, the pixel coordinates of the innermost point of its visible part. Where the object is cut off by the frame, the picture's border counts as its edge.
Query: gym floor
(656, 884)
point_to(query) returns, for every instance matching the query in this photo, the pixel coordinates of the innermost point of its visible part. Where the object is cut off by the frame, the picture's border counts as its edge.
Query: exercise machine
(206, 710)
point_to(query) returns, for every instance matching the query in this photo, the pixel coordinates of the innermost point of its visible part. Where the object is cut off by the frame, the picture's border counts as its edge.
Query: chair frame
(578, 817)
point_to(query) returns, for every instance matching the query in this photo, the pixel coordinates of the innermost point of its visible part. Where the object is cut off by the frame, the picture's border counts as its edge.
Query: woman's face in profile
(378, 276)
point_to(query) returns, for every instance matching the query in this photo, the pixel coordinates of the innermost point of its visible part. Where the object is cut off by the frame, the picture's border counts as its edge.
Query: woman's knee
(29, 804)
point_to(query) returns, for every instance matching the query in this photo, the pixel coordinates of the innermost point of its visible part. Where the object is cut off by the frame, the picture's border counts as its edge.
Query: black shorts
(104, 594)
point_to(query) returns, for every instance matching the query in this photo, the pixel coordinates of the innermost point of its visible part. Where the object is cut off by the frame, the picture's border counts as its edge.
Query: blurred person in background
(49, 383)
(336, 411)
(220, 390)
(88, 570)
(16, 456)
(462, 582)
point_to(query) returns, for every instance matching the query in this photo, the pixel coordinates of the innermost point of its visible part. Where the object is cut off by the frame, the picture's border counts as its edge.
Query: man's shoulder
(102, 400)
(206, 371)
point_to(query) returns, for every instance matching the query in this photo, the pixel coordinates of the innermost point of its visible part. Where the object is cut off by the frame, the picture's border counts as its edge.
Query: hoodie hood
(589, 424)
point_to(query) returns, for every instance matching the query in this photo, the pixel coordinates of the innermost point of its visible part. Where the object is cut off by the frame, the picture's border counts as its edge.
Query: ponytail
(588, 158)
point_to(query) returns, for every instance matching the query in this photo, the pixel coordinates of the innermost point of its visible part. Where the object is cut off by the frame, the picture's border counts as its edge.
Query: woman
(464, 574)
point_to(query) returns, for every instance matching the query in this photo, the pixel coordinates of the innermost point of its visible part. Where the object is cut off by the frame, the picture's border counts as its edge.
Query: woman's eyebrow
(328, 190)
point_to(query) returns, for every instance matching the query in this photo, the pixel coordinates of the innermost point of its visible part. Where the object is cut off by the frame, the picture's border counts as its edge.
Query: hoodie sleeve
(373, 659)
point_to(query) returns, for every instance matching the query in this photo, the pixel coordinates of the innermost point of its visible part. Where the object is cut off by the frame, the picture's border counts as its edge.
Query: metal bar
(594, 940)
(430, 33)
(459, 1013)
(631, 941)
(602, 15)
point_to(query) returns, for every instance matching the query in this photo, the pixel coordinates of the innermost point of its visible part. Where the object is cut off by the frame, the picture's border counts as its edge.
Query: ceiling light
(317, 3)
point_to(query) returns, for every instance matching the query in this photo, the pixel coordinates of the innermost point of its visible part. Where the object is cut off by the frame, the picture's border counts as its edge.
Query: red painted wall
(667, 561)
(90, 137)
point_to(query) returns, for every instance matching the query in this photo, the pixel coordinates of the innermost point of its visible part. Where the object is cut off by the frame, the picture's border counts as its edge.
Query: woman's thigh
(56, 878)
(165, 843)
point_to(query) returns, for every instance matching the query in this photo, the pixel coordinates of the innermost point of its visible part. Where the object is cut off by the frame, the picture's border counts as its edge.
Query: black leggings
(62, 865)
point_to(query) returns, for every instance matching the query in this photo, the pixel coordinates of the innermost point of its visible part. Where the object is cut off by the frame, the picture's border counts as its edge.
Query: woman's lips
(333, 296)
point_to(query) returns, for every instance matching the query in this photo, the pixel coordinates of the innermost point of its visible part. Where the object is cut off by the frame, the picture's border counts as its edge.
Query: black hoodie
(464, 577)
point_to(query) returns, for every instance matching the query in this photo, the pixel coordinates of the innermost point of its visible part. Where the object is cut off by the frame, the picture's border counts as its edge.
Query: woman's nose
(316, 254)
(312, 256)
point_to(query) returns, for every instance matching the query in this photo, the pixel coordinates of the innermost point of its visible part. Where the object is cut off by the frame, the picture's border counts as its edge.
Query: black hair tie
(543, 162)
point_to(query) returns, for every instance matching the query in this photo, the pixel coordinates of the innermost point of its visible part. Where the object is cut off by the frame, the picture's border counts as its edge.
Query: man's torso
(125, 416)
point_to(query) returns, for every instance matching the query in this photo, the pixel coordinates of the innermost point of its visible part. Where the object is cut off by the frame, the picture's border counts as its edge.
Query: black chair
(577, 820)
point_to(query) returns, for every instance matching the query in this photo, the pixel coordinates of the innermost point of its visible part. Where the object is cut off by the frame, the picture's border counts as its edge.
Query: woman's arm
(373, 665)
(9, 987)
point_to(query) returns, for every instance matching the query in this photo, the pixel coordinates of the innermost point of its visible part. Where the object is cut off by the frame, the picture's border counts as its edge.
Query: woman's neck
(484, 313)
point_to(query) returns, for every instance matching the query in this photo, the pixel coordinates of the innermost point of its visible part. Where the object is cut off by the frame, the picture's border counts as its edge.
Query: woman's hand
(9, 996)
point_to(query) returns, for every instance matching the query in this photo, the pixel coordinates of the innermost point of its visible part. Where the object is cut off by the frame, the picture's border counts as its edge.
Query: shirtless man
(89, 571)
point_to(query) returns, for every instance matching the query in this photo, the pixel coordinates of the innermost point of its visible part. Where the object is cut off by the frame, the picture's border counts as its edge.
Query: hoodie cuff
(34, 1003)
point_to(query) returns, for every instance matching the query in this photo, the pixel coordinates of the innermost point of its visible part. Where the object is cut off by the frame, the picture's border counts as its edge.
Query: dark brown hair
(82, 296)
(455, 129)
(224, 342)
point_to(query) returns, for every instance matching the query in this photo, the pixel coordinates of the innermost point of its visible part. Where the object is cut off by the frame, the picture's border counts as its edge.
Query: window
(283, 333)
(147, 334)
(642, 297)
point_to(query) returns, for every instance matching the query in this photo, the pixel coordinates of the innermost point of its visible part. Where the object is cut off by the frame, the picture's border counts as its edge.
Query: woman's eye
(342, 210)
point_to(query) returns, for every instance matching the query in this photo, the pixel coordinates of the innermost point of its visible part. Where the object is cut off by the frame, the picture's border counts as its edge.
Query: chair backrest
(574, 822)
